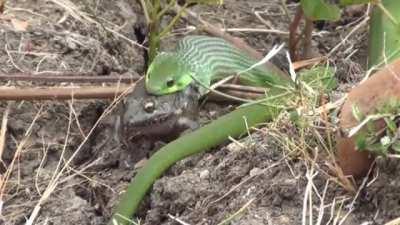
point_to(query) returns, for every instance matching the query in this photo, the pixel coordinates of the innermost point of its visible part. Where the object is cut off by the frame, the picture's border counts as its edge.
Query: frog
(157, 117)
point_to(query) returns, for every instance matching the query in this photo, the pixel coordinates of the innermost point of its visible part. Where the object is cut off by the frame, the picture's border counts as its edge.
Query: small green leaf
(354, 2)
(294, 116)
(396, 146)
(320, 10)
(361, 143)
(391, 125)
(297, 119)
(320, 78)
(379, 149)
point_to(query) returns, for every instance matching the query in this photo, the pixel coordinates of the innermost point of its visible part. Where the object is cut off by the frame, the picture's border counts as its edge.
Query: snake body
(205, 59)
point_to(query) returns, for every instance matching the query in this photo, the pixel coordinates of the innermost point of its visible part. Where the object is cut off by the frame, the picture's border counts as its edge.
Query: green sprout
(377, 139)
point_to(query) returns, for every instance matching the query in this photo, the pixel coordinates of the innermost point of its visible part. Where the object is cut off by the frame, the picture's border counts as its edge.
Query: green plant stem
(171, 24)
(154, 30)
(211, 135)
(156, 33)
(166, 8)
(154, 41)
(146, 7)
(308, 39)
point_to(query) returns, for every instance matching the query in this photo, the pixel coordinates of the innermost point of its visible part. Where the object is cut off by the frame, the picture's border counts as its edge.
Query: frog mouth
(157, 126)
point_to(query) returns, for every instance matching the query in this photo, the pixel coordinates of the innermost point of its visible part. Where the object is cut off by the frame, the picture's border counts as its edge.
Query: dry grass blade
(308, 193)
(60, 170)
(247, 179)
(394, 222)
(351, 207)
(85, 18)
(74, 11)
(178, 220)
(256, 30)
(241, 210)
(20, 146)
(308, 62)
(343, 41)
(3, 131)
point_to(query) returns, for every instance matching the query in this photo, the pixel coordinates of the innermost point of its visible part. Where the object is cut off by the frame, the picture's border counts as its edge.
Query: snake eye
(170, 82)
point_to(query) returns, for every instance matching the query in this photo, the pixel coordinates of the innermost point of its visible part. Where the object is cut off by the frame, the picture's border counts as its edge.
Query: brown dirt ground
(43, 136)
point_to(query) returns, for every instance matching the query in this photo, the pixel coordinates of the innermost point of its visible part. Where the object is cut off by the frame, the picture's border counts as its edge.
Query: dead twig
(293, 38)
(308, 62)
(60, 93)
(3, 132)
(2, 3)
(70, 77)
(100, 92)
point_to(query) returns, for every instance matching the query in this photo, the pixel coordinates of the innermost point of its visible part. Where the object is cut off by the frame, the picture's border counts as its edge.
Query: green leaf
(320, 10)
(379, 149)
(294, 116)
(391, 125)
(354, 2)
(360, 141)
(320, 78)
(396, 146)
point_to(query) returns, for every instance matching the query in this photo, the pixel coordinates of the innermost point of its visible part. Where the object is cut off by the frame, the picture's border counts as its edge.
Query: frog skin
(157, 117)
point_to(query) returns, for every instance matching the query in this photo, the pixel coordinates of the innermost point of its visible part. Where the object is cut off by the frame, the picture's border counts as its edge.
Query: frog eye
(170, 82)
(149, 107)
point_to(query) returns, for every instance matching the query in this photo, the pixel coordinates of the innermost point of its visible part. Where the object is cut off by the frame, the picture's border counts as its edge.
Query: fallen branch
(61, 93)
(99, 92)
(70, 77)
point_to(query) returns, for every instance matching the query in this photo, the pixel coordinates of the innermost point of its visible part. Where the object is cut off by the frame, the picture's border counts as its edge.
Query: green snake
(203, 59)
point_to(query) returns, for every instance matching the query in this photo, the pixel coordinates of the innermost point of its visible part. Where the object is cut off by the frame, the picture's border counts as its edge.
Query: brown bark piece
(368, 96)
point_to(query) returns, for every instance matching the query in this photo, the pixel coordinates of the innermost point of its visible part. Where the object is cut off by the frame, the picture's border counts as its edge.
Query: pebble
(204, 174)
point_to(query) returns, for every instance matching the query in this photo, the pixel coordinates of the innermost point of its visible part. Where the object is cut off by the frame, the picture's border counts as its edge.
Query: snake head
(167, 74)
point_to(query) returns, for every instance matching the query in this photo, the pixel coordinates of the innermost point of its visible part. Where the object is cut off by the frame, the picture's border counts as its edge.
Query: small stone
(235, 147)
(204, 174)
(255, 171)
(141, 163)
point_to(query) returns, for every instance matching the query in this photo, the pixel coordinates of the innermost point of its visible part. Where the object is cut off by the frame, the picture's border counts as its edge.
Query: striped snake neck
(213, 56)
